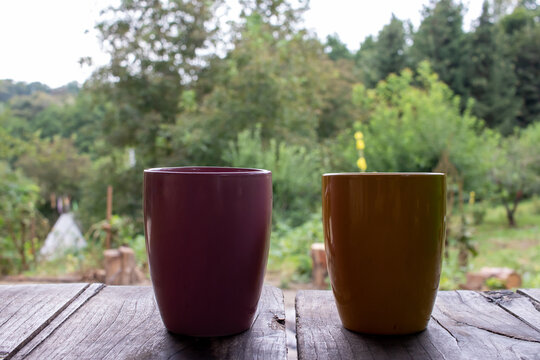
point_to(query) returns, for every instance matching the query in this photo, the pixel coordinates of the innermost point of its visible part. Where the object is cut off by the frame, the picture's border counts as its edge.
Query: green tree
(10, 88)
(284, 82)
(365, 60)
(516, 170)
(21, 224)
(391, 49)
(491, 79)
(411, 127)
(56, 166)
(11, 147)
(81, 120)
(522, 27)
(153, 47)
(296, 173)
(441, 40)
(377, 58)
(112, 167)
(336, 49)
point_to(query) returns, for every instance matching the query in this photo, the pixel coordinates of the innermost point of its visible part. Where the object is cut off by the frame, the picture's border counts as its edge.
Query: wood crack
(444, 327)
(48, 322)
(534, 302)
(280, 320)
(494, 332)
(45, 324)
(501, 304)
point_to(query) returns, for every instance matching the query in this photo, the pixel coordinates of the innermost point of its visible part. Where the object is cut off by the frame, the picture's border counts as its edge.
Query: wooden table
(464, 325)
(94, 321)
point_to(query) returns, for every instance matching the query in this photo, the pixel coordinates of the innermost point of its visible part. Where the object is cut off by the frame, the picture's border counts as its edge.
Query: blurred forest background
(264, 92)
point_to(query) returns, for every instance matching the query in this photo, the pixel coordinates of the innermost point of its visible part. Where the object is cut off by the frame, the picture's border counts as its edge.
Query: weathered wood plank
(483, 329)
(123, 322)
(464, 325)
(531, 293)
(26, 309)
(79, 301)
(523, 307)
(320, 335)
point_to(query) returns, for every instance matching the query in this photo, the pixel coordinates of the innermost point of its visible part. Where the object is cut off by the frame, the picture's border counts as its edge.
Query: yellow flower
(361, 163)
(360, 145)
(358, 135)
(471, 197)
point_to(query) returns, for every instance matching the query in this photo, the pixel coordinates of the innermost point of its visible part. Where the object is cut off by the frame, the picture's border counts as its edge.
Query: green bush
(290, 248)
(535, 204)
(410, 123)
(296, 173)
(124, 232)
(22, 227)
(452, 275)
(479, 213)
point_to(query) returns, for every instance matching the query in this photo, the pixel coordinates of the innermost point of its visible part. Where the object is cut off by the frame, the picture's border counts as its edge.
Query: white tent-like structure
(65, 236)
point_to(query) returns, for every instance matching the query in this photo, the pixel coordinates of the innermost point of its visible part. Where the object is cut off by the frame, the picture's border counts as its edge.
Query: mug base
(215, 332)
(385, 332)
(209, 334)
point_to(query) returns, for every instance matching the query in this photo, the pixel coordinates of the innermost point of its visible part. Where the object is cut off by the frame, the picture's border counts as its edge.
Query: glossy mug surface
(384, 234)
(207, 237)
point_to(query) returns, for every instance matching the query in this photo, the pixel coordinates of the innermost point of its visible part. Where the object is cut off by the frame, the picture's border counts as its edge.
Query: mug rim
(396, 174)
(207, 170)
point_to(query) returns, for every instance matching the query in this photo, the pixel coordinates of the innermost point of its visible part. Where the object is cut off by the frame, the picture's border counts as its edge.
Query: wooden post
(113, 266)
(109, 216)
(319, 267)
(127, 255)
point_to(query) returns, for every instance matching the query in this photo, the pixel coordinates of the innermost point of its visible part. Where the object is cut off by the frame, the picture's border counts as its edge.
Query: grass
(499, 245)
(502, 246)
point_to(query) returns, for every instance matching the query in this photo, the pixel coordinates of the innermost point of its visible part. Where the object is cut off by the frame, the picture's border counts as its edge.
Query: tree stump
(477, 281)
(319, 268)
(127, 275)
(113, 266)
(120, 266)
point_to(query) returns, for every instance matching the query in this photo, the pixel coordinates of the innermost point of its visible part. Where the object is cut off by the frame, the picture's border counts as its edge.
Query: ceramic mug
(207, 237)
(384, 235)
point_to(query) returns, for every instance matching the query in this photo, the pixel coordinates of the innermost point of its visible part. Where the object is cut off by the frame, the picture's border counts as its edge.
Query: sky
(44, 40)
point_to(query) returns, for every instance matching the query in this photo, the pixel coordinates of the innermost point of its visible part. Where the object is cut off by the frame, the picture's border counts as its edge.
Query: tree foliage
(153, 47)
(295, 170)
(522, 28)
(516, 170)
(56, 166)
(409, 127)
(441, 40)
(491, 79)
(22, 228)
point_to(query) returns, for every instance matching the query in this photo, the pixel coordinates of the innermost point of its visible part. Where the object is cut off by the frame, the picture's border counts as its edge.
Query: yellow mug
(384, 235)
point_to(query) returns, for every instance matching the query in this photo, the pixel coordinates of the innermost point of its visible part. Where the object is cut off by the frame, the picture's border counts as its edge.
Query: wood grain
(79, 301)
(482, 329)
(122, 322)
(320, 335)
(464, 325)
(522, 307)
(26, 309)
(531, 293)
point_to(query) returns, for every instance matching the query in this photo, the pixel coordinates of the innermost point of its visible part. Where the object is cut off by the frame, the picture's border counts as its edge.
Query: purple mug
(207, 237)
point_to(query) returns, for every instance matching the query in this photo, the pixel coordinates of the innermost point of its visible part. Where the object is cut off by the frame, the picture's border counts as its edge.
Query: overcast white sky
(42, 40)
